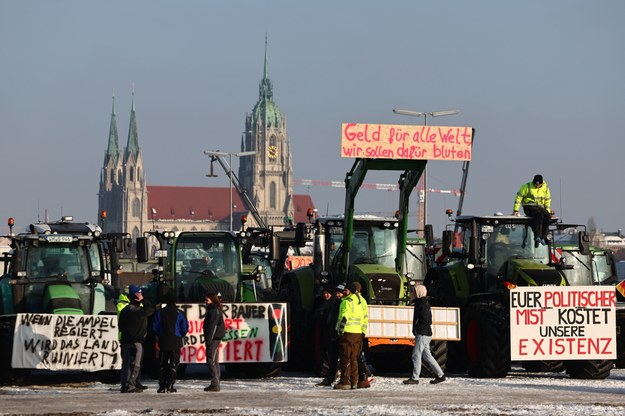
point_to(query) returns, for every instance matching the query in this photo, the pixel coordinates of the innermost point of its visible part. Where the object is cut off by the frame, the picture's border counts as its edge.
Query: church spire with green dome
(265, 109)
(112, 151)
(132, 148)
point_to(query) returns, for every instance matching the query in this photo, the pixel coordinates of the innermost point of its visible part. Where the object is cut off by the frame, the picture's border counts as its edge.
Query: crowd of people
(343, 315)
(169, 326)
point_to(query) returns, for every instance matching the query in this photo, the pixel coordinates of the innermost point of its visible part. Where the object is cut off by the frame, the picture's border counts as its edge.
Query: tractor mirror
(142, 249)
(584, 243)
(448, 238)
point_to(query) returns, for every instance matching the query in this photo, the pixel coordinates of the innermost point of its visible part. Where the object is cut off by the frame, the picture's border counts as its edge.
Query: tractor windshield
(61, 261)
(374, 242)
(206, 262)
(508, 240)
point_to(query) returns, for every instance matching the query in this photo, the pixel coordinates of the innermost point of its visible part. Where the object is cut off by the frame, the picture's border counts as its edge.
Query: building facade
(134, 207)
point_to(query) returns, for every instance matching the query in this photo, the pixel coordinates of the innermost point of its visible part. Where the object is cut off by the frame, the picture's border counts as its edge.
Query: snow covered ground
(518, 394)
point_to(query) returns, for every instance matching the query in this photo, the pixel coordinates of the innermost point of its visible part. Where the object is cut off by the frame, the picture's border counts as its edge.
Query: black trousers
(541, 219)
(169, 361)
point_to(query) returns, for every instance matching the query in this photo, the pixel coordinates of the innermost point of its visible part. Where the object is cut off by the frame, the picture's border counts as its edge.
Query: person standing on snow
(170, 326)
(535, 198)
(133, 325)
(349, 328)
(332, 351)
(214, 331)
(422, 330)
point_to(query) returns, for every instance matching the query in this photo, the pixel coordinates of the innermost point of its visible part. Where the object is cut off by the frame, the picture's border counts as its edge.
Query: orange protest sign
(386, 141)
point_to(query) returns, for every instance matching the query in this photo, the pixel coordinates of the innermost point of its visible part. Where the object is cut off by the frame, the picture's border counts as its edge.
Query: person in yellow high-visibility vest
(349, 326)
(535, 198)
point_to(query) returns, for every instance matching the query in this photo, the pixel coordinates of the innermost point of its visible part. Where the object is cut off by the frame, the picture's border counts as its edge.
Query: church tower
(267, 176)
(123, 188)
(111, 191)
(135, 197)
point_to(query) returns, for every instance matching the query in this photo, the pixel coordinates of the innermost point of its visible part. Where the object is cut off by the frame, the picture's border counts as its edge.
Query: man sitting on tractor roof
(536, 200)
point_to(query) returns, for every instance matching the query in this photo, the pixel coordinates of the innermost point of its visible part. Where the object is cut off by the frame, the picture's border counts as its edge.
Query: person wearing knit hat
(535, 198)
(422, 330)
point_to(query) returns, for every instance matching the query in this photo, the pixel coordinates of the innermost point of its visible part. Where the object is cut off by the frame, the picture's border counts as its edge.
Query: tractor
(373, 251)
(59, 268)
(493, 254)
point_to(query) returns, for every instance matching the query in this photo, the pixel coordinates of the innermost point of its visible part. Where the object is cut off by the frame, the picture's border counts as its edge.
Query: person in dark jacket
(170, 326)
(422, 330)
(214, 331)
(332, 350)
(133, 325)
(321, 309)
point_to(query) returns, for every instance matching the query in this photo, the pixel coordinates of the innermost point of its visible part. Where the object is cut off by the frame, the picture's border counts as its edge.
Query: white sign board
(255, 332)
(66, 342)
(563, 323)
(396, 322)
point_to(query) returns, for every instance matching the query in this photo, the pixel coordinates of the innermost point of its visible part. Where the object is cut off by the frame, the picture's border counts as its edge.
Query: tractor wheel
(299, 345)
(456, 357)
(487, 337)
(439, 352)
(543, 366)
(589, 369)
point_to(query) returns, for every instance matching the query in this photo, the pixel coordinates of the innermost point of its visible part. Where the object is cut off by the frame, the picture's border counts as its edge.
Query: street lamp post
(229, 154)
(425, 114)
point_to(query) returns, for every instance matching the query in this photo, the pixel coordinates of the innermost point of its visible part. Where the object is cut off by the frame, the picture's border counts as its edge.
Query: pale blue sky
(542, 82)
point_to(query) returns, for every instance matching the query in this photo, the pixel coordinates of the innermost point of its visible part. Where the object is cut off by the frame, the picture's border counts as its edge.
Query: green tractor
(59, 268)
(594, 267)
(496, 253)
(194, 263)
(370, 250)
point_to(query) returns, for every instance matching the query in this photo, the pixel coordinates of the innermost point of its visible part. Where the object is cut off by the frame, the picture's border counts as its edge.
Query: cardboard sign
(385, 141)
(563, 323)
(255, 333)
(66, 342)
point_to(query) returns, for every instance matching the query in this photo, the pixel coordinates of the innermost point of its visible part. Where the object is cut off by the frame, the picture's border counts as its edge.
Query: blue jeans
(422, 350)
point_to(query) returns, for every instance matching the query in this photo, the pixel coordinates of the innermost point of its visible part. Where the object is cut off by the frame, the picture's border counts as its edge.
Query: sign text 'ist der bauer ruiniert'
(386, 141)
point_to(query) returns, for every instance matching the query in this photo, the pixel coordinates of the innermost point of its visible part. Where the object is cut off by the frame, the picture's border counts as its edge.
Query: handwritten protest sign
(295, 262)
(66, 342)
(563, 323)
(385, 141)
(255, 332)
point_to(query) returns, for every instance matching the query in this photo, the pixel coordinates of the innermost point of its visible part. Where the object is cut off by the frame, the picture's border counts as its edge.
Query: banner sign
(563, 323)
(66, 342)
(255, 333)
(387, 141)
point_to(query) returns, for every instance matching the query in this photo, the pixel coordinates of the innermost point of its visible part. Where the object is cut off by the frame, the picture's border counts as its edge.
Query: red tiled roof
(201, 203)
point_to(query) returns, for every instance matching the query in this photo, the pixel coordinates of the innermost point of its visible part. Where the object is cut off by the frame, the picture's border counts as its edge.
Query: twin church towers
(134, 207)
